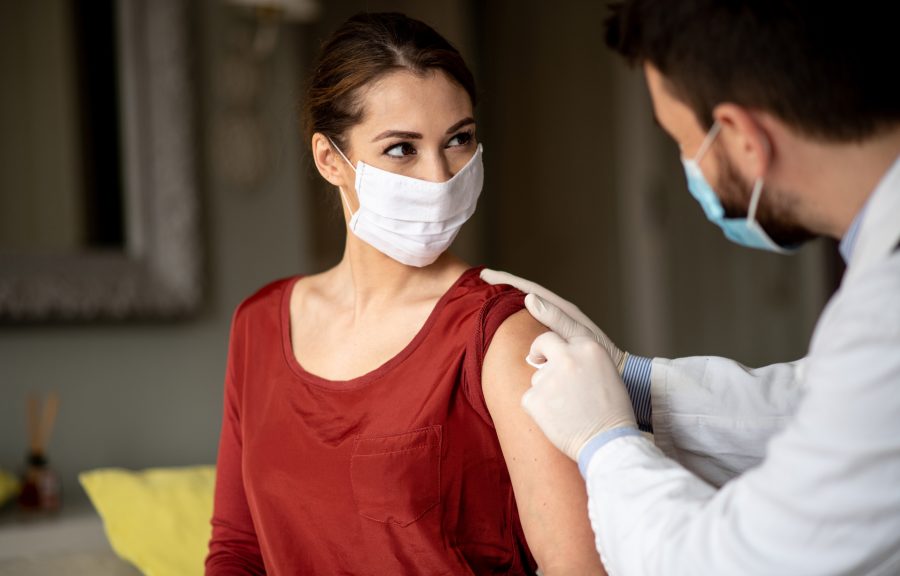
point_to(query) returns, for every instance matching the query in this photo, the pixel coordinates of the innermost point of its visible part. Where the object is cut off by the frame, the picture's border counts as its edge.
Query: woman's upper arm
(549, 490)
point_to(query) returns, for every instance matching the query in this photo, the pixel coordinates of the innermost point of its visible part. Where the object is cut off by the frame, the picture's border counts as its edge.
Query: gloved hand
(557, 314)
(577, 393)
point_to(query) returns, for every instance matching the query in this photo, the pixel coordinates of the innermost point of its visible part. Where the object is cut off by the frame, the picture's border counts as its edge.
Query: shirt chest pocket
(397, 478)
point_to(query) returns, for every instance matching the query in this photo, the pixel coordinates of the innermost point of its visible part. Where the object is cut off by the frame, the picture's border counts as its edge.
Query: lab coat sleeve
(715, 416)
(824, 500)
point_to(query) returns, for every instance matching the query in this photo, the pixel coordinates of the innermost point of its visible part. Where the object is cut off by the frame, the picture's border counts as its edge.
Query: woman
(372, 412)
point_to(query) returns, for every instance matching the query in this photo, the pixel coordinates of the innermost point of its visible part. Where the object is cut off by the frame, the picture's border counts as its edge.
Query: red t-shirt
(398, 471)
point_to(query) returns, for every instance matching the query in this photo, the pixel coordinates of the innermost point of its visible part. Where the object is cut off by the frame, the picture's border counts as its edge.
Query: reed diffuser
(40, 485)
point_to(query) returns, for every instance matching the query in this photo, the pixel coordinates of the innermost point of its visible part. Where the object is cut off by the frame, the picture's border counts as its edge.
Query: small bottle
(40, 486)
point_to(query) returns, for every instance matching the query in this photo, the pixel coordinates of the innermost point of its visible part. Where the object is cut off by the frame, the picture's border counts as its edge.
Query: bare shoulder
(517, 328)
(512, 342)
(505, 374)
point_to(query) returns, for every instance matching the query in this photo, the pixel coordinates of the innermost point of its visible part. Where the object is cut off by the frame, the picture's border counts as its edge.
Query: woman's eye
(400, 150)
(460, 139)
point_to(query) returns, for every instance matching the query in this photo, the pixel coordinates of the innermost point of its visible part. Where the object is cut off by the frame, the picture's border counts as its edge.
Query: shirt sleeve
(234, 547)
(494, 311)
(636, 377)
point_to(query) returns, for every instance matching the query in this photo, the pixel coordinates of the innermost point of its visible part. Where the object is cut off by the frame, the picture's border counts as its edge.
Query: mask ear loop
(757, 191)
(347, 160)
(754, 199)
(707, 142)
(341, 152)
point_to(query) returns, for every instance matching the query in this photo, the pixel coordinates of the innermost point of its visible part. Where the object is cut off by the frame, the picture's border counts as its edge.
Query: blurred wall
(150, 394)
(548, 113)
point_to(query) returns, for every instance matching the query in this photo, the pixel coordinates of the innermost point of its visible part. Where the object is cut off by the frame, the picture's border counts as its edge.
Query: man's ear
(328, 161)
(748, 143)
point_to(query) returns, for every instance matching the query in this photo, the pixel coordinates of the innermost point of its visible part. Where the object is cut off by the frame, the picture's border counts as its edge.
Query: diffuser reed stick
(40, 486)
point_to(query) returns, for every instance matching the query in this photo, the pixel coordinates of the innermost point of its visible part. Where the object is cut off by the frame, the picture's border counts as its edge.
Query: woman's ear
(746, 140)
(329, 162)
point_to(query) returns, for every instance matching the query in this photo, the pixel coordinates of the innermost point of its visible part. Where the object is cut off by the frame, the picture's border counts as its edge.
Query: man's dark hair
(828, 69)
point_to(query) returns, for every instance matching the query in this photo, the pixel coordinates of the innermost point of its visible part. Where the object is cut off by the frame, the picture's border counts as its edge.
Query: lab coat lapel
(880, 229)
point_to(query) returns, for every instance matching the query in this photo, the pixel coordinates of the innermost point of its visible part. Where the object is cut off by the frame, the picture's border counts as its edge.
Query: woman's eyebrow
(417, 136)
(397, 134)
(460, 124)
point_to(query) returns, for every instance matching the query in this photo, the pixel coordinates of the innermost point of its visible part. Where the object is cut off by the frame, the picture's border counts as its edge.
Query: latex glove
(577, 392)
(557, 314)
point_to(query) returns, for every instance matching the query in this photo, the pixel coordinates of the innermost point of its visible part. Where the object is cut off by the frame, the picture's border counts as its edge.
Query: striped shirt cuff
(636, 377)
(599, 441)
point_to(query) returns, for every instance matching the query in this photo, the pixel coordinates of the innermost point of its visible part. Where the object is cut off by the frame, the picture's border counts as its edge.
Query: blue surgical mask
(743, 231)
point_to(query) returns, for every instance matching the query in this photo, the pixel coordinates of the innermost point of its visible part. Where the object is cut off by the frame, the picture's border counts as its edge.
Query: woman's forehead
(426, 103)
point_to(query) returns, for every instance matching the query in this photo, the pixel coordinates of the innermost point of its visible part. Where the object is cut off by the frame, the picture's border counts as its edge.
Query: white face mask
(413, 221)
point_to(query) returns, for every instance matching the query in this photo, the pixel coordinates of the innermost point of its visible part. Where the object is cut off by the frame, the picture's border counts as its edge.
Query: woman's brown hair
(364, 48)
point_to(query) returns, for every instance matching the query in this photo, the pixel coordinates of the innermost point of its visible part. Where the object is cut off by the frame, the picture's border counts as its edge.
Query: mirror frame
(159, 272)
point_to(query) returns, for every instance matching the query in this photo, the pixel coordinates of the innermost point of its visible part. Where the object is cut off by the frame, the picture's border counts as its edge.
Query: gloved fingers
(620, 363)
(536, 395)
(578, 316)
(500, 277)
(575, 313)
(545, 347)
(531, 402)
(571, 310)
(529, 287)
(527, 400)
(555, 318)
(536, 363)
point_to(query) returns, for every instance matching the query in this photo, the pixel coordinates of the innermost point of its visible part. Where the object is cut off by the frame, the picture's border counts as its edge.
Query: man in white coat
(788, 119)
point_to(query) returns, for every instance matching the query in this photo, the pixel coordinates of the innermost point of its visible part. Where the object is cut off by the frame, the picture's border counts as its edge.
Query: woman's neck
(368, 280)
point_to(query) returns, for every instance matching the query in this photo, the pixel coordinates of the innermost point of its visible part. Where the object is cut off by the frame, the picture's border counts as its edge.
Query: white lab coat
(807, 454)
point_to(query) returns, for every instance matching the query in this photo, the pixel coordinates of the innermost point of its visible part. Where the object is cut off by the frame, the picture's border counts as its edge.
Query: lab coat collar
(879, 230)
(848, 242)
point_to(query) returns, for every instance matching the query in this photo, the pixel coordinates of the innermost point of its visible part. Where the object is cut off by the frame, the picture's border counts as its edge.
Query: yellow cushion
(157, 519)
(9, 486)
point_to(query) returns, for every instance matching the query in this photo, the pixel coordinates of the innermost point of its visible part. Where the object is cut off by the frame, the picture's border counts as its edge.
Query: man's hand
(557, 314)
(577, 393)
